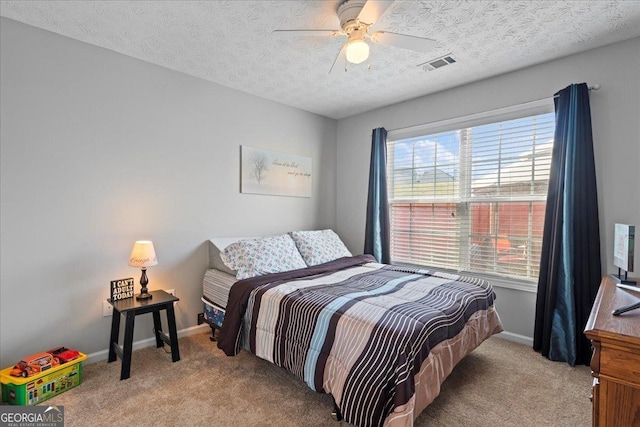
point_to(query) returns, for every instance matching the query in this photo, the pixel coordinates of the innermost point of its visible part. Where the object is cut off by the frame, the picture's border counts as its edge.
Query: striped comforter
(353, 328)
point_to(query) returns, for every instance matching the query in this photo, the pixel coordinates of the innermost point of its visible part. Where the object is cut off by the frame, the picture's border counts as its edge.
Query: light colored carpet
(500, 384)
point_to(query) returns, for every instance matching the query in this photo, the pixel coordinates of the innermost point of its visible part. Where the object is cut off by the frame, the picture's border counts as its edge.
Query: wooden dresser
(615, 364)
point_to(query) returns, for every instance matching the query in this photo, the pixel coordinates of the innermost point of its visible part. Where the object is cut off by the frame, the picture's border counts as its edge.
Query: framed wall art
(274, 173)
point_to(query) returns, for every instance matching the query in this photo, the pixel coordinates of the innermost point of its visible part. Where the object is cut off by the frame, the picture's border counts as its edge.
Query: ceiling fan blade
(373, 10)
(328, 33)
(341, 58)
(404, 41)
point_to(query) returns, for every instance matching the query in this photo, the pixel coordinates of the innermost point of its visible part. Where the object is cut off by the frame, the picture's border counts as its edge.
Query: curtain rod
(591, 87)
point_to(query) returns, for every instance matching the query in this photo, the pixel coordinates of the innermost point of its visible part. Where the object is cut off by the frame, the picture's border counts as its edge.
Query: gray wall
(615, 112)
(99, 150)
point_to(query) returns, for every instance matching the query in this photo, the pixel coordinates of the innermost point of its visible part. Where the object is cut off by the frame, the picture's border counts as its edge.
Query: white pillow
(257, 257)
(320, 246)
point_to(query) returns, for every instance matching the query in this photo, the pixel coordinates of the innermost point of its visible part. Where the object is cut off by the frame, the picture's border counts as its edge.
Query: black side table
(131, 307)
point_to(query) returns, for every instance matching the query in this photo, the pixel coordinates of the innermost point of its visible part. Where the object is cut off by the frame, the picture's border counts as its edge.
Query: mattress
(216, 285)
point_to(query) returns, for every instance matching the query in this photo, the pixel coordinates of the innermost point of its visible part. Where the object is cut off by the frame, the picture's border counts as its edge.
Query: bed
(380, 339)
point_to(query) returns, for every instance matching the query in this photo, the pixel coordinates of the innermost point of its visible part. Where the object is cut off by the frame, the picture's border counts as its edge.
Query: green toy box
(38, 388)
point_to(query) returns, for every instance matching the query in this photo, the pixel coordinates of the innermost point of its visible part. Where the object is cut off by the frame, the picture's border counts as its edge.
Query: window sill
(496, 282)
(504, 282)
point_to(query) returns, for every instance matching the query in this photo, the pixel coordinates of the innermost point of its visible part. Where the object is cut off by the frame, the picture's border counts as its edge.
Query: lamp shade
(357, 51)
(143, 254)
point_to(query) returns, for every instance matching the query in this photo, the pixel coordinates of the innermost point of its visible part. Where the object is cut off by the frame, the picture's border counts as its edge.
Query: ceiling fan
(357, 19)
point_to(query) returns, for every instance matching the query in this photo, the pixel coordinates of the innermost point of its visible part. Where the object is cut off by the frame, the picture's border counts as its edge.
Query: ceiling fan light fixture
(357, 51)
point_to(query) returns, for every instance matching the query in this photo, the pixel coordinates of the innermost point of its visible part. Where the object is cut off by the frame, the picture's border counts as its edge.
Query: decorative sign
(121, 289)
(273, 173)
(623, 242)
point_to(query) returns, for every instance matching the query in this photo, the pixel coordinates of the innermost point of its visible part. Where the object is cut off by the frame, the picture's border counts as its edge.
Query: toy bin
(45, 385)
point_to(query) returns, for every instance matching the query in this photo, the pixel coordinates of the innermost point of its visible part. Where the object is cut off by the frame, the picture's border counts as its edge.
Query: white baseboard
(520, 339)
(148, 342)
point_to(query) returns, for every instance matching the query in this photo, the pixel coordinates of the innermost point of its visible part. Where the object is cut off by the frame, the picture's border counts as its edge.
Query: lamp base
(144, 296)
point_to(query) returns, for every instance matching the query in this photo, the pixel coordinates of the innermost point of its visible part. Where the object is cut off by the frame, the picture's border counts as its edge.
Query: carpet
(501, 383)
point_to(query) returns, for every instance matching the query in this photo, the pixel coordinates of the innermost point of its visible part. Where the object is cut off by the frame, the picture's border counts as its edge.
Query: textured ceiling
(230, 42)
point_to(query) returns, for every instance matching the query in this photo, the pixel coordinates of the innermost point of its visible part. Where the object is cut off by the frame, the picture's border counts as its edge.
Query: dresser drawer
(622, 364)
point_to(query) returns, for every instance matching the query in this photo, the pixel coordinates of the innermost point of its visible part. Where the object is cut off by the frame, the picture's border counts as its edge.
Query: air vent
(438, 63)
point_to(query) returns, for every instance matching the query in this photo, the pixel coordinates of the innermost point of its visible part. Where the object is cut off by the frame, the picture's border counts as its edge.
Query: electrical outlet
(172, 292)
(107, 309)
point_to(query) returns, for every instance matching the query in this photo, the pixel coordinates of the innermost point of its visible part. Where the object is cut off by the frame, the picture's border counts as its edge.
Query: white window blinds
(472, 199)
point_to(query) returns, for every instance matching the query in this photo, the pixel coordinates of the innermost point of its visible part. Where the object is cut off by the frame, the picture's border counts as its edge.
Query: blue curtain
(570, 263)
(376, 240)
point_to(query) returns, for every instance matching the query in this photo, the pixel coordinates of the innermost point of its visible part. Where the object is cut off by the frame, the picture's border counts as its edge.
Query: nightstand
(132, 307)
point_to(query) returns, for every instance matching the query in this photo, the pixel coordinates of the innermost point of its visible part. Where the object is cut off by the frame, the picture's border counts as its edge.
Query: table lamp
(143, 255)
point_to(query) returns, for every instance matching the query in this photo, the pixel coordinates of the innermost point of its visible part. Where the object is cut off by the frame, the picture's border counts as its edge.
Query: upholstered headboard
(217, 245)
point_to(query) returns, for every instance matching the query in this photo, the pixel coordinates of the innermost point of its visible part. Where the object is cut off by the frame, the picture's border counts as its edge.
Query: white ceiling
(230, 42)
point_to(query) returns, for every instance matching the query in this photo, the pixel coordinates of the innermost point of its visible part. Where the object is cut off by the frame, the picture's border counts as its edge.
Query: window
(472, 199)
